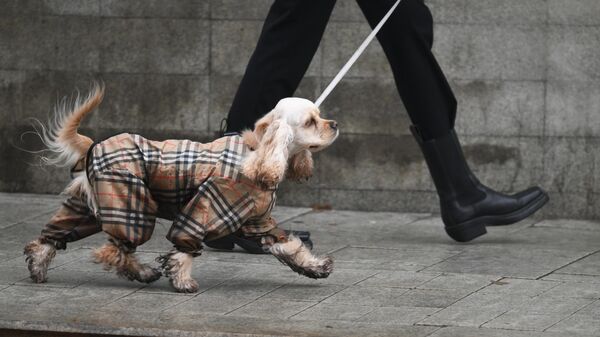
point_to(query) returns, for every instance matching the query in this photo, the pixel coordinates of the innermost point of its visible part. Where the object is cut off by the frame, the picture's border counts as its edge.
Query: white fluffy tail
(65, 145)
(60, 136)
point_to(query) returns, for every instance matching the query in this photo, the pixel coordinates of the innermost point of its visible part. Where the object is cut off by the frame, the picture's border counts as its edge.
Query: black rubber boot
(251, 246)
(466, 205)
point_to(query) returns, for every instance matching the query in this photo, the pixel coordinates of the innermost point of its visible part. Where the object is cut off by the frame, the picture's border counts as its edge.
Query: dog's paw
(139, 272)
(37, 275)
(177, 266)
(324, 268)
(38, 257)
(148, 274)
(187, 285)
(321, 269)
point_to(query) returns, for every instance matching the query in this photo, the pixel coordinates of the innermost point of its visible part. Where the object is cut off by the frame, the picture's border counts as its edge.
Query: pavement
(396, 274)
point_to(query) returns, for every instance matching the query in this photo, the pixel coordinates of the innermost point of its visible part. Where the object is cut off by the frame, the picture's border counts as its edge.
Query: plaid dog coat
(198, 186)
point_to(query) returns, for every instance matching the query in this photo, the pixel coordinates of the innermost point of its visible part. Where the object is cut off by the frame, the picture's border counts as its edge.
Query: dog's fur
(38, 257)
(113, 255)
(282, 143)
(298, 257)
(177, 266)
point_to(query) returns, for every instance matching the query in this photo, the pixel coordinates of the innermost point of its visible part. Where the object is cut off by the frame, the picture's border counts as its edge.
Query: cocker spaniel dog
(122, 184)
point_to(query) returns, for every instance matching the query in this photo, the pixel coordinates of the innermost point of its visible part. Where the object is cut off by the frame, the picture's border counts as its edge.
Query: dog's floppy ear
(300, 166)
(267, 164)
(260, 127)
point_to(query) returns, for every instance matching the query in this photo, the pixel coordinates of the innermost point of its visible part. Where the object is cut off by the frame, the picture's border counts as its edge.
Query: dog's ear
(267, 164)
(300, 166)
(260, 127)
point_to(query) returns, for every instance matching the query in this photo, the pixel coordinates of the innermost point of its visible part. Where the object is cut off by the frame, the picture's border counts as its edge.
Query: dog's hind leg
(73, 221)
(128, 221)
(121, 257)
(38, 255)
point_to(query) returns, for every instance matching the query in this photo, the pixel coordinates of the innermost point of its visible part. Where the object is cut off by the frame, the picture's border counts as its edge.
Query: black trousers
(291, 35)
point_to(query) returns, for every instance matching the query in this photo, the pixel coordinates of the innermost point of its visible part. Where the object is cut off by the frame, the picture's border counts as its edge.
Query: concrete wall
(526, 74)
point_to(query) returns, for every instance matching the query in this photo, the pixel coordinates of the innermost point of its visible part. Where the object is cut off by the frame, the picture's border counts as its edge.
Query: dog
(122, 184)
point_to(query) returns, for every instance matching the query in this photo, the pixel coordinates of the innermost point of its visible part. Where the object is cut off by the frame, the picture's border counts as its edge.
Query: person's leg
(407, 39)
(467, 206)
(289, 39)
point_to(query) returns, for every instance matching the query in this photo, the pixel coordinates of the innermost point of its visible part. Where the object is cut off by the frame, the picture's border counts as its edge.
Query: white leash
(355, 56)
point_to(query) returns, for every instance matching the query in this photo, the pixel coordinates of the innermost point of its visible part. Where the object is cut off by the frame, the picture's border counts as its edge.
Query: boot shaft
(452, 177)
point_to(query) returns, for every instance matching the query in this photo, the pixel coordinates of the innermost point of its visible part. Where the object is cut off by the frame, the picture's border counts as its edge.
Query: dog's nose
(333, 125)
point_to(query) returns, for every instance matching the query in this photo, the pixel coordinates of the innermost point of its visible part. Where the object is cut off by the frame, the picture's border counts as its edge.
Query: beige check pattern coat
(197, 185)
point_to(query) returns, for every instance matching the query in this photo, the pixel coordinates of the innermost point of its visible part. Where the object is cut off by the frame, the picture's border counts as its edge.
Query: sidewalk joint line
(491, 319)
(28, 219)
(335, 293)
(568, 264)
(572, 314)
(256, 299)
(309, 211)
(118, 298)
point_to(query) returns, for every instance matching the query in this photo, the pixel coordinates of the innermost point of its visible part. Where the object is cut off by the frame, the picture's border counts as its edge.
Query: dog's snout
(333, 125)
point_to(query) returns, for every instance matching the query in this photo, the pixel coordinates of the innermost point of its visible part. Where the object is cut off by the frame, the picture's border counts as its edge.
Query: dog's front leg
(293, 253)
(177, 266)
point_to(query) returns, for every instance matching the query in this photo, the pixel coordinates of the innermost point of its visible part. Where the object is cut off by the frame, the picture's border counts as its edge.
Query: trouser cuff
(194, 252)
(59, 245)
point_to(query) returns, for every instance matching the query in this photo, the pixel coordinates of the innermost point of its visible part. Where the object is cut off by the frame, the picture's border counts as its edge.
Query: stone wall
(526, 74)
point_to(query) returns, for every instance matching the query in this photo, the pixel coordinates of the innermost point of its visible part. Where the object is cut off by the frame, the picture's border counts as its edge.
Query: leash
(355, 56)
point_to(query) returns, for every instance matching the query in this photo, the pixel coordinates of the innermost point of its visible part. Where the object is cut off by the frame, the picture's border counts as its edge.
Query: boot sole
(474, 228)
(228, 243)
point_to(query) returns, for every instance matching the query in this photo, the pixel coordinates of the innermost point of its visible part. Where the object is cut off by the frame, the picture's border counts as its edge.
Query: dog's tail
(60, 137)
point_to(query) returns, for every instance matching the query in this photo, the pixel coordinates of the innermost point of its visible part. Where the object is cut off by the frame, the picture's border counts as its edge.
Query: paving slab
(577, 324)
(395, 275)
(17, 295)
(59, 279)
(272, 308)
(204, 304)
(143, 302)
(398, 315)
(514, 320)
(399, 279)
(518, 287)
(306, 291)
(246, 288)
(538, 314)
(512, 260)
(372, 296)
(486, 332)
(23, 207)
(558, 276)
(410, 259)
(584, 225)
(589, 290)
(474, 310)
(327, 311)
(464, 282)
(585, 266)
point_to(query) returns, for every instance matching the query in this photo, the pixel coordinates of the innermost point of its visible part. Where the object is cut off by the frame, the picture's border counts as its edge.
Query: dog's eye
(311, 122)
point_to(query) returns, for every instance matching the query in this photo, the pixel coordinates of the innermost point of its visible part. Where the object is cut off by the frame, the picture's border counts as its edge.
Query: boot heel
(225, 243)
(466, 231)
